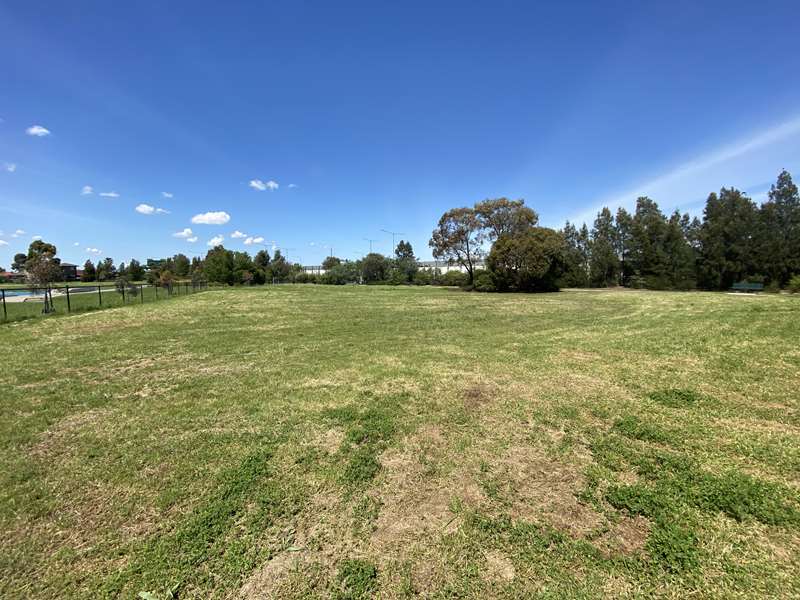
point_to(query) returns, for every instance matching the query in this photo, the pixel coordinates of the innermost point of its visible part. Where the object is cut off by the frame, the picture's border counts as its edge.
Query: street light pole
(393, 234)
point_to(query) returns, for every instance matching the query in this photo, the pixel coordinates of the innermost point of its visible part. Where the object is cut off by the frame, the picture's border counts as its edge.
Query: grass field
(302, 441)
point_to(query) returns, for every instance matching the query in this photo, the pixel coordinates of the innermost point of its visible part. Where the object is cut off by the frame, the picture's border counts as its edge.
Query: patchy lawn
(303, 441)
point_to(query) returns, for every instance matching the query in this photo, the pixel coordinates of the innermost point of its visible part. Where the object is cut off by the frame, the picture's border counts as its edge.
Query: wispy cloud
(37, 131)
(219, 217)
(254, 240)
(215, 241)
(3, 243)
(10, 167)
(261, 186)
(238, 234)
(18, 233)
(186, 233)
(35, 238)
(291, 186)
(167, 194)
(94, 251)
(147, 209)
(109, 194)
(192, 239)
(689, 183)
(76, 243)
(87, 190)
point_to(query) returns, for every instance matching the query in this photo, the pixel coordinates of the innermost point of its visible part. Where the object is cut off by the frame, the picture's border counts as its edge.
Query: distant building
(444, 267)
(69, 272)
(12, 276)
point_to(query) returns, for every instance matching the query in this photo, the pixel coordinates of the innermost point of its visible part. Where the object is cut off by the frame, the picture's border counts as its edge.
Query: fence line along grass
(19, 302)
(353, 442)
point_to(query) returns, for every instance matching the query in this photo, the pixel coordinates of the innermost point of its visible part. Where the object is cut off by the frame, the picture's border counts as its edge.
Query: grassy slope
(305, 441)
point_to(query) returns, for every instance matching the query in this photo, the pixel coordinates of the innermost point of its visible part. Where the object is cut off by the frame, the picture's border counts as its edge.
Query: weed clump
(357, 578)
(676, 398)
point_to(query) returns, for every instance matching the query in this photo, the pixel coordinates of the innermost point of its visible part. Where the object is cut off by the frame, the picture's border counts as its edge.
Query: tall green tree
(279, 268)
(604, 261)
(623, 238)
(330, 262)
(576, 256)
(647, 257)
(405, 263)
(503, 216)
(528, 261)
(106, 270)
(459, 238)
(727, 253)
(219, 266)
(135, 270)
(19, 262)
(181, 265)
(778, 244)
(680, 256)
(89, 272)
(374, 268)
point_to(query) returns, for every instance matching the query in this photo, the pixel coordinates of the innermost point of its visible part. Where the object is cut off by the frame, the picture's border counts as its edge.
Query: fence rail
(33, 301)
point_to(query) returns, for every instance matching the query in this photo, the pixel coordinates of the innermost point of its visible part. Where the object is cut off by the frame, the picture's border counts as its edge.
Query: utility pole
(370, 244)
(393, 234)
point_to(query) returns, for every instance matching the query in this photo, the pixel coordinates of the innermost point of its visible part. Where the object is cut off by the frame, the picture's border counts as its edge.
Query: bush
(423, 277)
(483, 281)
(794, 285)
(454, 278)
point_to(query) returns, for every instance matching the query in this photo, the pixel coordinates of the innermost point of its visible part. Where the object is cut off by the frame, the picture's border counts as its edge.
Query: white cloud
(238, 234)
(94, 251)
(742, 162)
(192, 239)
(145, 209)
(38, 131)
(291, 186)
(254, 240)
(211, 218)
(215, 241)
(186, 233)
(167, 194)
(87, 190)
(76, 244)
(261, 186)
(18, 233)
(10, 167)
(3, 243)
(109, 194)
(35, 237)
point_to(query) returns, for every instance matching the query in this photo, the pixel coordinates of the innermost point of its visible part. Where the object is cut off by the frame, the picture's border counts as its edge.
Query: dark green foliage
(676, 398)
(531, 261)
(604, 265)
(357, 578)
(361, 466)
(483, 281)
(673, 546)
(374, 268)
(341, 274)
(454, 278)
(89, 273)
(218, 266)
(330, 262)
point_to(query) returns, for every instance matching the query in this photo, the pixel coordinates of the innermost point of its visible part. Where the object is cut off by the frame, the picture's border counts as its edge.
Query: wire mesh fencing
(19, 302)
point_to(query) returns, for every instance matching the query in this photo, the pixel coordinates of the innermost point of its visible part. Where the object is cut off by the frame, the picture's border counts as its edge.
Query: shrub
(423, 277)
(454, 278)
(794, 285)
(483, 281)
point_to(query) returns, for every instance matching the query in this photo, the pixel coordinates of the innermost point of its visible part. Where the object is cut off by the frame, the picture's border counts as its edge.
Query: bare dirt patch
(498, 567)
(626, 537)
(542, 489)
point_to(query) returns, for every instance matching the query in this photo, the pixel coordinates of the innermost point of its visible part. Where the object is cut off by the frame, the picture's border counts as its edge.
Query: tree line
(736, 240)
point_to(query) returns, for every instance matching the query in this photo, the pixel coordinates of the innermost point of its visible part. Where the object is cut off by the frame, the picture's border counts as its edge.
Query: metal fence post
(66, 289)
(155, 287)
(123, 293)
(100, 295)
(141, 292)
(5, 313)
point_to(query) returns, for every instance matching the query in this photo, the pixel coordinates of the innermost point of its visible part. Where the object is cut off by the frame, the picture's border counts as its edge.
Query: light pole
(393, 234)
(370, 244)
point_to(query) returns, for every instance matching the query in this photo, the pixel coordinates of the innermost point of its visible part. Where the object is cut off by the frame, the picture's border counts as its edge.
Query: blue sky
(376, 115)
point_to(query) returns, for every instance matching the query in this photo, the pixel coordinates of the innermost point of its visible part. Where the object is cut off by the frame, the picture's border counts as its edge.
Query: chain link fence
(20, 302)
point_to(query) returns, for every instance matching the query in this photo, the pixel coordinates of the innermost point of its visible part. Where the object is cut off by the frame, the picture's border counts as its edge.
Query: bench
(744, 286)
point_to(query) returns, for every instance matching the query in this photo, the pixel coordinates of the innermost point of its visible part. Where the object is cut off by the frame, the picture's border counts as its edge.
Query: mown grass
(301, 441)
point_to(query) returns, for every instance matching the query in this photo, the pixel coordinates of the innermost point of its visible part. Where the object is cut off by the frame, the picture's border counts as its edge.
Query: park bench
(744, 286)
